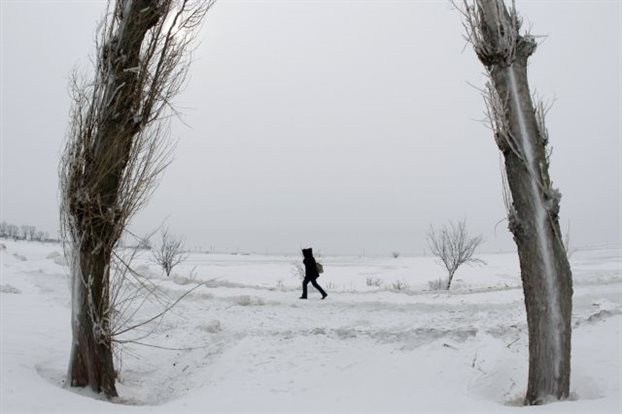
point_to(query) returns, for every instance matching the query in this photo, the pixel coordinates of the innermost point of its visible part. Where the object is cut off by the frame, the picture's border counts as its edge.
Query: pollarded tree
(531, 200)
(453, 246)
(116, 149)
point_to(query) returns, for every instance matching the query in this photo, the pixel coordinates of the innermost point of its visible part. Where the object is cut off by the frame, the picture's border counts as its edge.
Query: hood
(307, 253)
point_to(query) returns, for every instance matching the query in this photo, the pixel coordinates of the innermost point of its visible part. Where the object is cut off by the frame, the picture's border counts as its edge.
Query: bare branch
(168, 308)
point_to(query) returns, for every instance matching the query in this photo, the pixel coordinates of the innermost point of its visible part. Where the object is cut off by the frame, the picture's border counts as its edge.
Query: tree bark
(533, 216)
(91, 361)
(547, 287)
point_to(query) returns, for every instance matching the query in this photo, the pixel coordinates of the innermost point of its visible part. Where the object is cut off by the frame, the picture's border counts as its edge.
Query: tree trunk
(545, 271)
(91, 360)
(450, 278)
(96, 211)
(533, 216)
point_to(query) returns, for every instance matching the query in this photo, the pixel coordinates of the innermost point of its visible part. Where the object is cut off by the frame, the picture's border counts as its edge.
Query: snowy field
(244, 342)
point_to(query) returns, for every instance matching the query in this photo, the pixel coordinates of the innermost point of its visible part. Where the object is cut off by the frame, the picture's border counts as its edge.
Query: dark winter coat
(310, 265)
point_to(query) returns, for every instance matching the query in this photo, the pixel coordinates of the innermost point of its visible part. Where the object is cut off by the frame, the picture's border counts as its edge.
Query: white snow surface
(255, 347)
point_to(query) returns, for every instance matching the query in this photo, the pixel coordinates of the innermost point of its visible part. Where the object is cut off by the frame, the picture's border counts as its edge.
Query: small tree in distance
(169, 252)
(454, 246)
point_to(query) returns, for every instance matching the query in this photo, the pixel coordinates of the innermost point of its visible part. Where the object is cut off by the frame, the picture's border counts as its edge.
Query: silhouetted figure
(311, 273)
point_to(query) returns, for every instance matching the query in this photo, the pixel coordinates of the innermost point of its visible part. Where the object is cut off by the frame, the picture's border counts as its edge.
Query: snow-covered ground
(244, 342)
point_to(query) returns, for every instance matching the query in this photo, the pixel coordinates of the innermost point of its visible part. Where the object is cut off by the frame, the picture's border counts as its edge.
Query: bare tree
(453, 246)
(12, 231)
(169, 253)
(28, 232)
(116, 149)
(41, 236)
(531, 201)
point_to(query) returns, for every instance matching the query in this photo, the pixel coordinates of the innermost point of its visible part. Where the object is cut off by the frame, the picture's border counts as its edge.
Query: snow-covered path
(255, 347)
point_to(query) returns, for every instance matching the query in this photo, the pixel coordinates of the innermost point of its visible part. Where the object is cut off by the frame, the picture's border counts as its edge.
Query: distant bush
(298, 270)
(396, 254)
(438, 284)
(399, 285)
(373, 281)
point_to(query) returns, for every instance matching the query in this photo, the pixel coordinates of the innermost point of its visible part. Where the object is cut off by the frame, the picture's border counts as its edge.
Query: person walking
(311, 273)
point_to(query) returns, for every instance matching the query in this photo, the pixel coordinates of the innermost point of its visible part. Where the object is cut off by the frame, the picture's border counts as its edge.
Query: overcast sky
(349, 126)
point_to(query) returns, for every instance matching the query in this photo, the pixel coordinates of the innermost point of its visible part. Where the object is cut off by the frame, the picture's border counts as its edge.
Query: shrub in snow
(399, 285)
(298, 270)
(438, 284)
(396, 254)
(373, 281)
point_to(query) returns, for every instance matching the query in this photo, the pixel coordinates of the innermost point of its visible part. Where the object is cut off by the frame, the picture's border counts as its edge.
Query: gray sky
(346, 125)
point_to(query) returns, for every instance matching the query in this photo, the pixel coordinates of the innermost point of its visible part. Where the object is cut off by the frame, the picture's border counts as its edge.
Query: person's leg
(319, 288)
(305, 282)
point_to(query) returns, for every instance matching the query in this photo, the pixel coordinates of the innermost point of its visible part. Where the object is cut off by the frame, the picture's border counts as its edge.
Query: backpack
(319, 267)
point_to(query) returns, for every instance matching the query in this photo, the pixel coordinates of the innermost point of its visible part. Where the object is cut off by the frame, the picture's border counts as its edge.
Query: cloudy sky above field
(350, 126)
